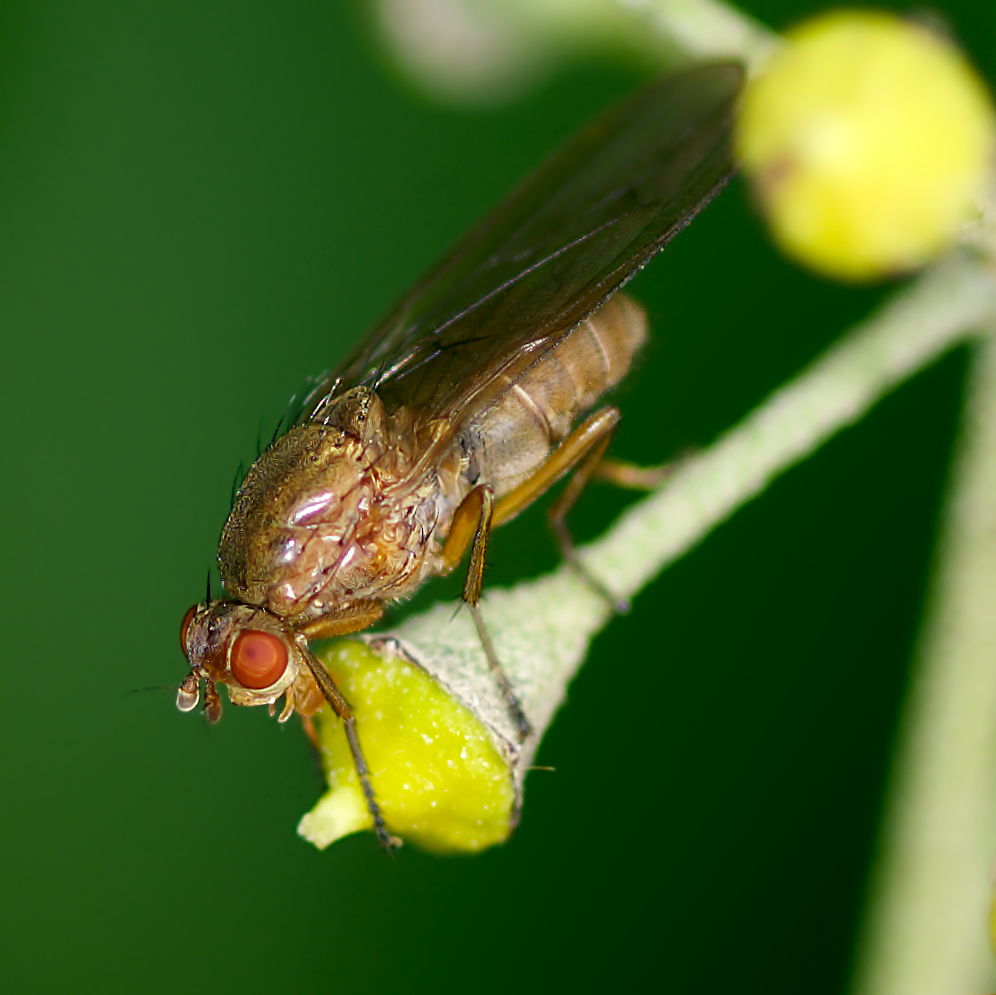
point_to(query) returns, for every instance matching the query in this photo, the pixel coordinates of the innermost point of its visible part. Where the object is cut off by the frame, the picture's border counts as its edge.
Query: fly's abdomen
(514, 436)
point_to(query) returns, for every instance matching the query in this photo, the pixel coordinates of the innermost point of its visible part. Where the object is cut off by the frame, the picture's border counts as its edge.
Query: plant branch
(542, 628)
(927, 907)
(707, 29)
(931, 889)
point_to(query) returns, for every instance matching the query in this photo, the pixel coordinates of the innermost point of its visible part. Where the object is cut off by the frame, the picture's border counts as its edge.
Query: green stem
(931, 889)
(542, 628)
(925, 927)
(707, 29)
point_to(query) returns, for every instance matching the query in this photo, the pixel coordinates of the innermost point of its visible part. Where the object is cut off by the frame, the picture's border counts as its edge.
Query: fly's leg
(632, 476)
(472, 525)
(308, 725)
(386, 840)
(582, 449)
(339, 705)
(596, 428)
(341, 708)
(566, 500)
(595, 465)
(352, 618)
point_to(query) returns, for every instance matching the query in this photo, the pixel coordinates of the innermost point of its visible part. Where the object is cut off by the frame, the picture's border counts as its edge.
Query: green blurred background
(203, 203)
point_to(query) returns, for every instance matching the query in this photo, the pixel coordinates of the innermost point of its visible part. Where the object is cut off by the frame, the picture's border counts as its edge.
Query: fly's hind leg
(581, 451)
(566, 500)
(632, 476)
(471, 526)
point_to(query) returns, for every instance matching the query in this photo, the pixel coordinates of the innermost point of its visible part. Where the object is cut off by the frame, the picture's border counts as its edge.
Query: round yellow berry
(869, 142)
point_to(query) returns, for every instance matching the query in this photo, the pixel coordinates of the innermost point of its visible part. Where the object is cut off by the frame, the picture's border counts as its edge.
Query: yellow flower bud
(438, 779)
(869, 142)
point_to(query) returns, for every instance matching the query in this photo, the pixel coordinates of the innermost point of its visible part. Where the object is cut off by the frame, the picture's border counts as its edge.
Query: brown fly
(458, 410)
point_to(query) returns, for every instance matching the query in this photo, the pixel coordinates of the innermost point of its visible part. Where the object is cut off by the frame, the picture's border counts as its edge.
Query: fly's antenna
(208, 596)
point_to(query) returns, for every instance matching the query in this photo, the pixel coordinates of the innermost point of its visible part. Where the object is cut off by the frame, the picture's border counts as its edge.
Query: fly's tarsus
(388, 842)
(515, 712)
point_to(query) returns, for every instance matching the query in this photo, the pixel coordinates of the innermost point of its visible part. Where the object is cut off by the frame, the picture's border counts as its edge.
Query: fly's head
(249, 650)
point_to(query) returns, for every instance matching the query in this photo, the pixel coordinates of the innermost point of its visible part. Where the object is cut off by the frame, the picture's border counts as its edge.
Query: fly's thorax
(300, 499)
(252, 652)
(328, 515)
(510, 440)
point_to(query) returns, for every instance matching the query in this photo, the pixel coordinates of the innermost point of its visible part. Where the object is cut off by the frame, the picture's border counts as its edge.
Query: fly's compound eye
(258, 659)
(184, 626)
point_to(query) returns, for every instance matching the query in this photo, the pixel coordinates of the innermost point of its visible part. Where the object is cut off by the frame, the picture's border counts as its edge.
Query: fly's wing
(573, 233)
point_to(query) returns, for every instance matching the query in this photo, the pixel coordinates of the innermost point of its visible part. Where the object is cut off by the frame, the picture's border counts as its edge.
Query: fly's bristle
(240, 475)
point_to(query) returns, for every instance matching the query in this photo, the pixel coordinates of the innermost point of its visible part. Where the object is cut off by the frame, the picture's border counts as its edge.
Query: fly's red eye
(184, 626)
(259, 659)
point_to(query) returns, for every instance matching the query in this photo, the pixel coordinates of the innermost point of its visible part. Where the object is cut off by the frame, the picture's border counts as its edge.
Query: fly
(464, 405)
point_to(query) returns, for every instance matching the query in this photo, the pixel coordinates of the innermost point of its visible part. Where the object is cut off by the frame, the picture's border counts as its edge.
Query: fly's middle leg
(472, 525)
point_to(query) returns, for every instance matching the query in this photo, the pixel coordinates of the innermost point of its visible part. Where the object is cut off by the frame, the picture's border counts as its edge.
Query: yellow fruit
(869, 142)
(438, 779)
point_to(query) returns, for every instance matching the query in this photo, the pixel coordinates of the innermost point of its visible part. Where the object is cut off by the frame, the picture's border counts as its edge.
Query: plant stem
(925, 922)
(707, 29)
(542, 628)
(925, 926)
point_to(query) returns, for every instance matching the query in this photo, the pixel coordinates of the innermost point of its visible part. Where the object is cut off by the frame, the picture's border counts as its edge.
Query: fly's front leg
(351, 618)
(341, 708)
(472, 524)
